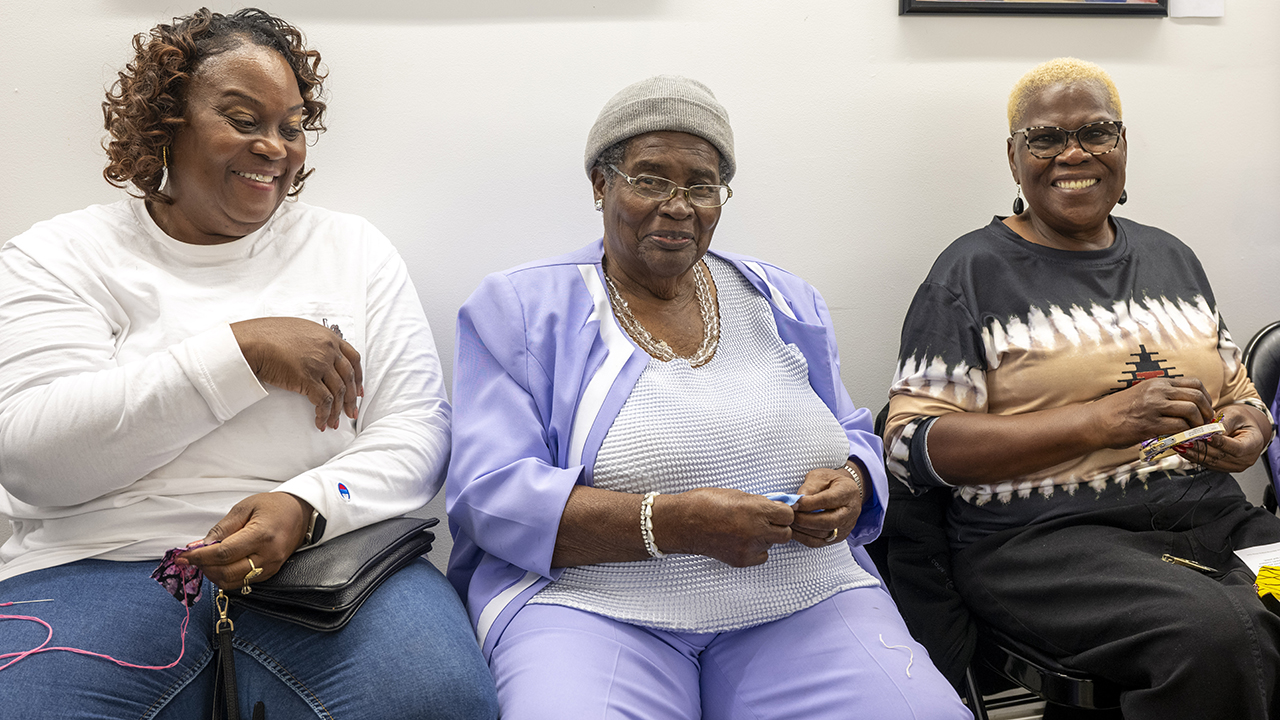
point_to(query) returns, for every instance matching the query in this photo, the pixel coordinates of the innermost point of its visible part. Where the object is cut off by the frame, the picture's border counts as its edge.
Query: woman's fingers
(734, 527)
(816, 537)
(831, 502)
(324, 395)
(265, 528)
(352, 357)
(1190, 402)
(1239, 447)
(1151, 408)
(307, 358)
(338, 390)
(336, 394)
(351, 387)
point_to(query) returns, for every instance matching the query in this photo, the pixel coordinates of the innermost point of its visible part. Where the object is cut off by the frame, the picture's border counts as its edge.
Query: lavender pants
(848, 656)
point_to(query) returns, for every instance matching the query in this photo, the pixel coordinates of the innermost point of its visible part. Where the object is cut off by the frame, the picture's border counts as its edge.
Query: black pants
(1092, 590)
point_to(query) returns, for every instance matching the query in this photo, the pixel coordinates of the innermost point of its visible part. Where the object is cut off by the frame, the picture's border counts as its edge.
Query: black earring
(1018, 206)
(1124, 196)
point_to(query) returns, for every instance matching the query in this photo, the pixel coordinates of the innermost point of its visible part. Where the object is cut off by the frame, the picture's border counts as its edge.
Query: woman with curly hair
(206, 365)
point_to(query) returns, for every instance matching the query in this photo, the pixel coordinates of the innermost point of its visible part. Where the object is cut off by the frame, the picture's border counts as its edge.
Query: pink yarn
(41, 648)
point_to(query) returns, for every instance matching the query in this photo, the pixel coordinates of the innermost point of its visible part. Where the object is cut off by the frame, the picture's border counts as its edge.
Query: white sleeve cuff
(215, 365)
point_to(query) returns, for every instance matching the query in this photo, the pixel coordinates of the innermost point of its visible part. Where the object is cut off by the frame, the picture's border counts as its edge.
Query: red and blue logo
(344, 492)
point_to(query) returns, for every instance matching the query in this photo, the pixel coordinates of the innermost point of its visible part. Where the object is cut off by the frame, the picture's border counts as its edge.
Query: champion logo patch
(344, 492)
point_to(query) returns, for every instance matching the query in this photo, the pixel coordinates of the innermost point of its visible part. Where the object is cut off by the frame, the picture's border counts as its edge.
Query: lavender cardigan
(541, 369)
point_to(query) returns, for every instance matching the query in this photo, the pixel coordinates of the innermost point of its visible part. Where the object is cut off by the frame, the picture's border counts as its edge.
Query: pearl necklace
(659, 348)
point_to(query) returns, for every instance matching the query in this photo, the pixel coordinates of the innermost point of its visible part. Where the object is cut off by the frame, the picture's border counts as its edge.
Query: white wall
(866, 141)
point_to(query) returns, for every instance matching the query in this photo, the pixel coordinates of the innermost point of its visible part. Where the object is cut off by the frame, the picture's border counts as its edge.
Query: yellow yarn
(1268, 582)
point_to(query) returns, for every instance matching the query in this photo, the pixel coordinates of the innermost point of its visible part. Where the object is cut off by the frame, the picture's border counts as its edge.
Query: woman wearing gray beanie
(659, 487)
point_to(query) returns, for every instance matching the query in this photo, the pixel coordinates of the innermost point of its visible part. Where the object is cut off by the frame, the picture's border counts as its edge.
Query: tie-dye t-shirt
(1005, 326)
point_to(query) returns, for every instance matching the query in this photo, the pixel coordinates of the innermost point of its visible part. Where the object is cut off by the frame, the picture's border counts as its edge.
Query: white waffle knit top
(747, 419)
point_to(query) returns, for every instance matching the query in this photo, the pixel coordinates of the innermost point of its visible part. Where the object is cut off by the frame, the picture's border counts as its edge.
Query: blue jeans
(408, 653)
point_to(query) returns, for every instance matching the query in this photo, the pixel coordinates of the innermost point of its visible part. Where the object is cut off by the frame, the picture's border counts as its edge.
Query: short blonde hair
(1064, 71)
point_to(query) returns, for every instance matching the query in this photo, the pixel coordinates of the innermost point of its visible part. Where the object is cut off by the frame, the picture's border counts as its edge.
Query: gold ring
(832, 537)
(254, 572)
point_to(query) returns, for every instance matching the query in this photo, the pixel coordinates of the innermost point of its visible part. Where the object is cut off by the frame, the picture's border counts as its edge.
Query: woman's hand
(265, 528)
(838, 496)
(307, 358)
(731, 526)
(1160, 406)
(981, 448)
(1238, 448)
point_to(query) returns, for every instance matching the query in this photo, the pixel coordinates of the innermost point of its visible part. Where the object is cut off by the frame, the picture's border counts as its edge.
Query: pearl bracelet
(862, 489)
(646, 525)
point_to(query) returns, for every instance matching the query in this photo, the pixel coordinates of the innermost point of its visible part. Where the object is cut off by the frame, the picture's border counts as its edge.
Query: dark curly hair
(145, 106)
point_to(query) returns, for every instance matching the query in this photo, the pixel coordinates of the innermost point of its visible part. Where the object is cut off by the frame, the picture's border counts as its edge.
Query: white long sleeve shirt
(130, 421)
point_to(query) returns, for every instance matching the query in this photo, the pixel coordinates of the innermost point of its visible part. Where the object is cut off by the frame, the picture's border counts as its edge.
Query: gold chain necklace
(659, 348)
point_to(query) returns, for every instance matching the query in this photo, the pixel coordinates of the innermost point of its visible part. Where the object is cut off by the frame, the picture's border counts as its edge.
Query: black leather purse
(319, 588)
(322, 587)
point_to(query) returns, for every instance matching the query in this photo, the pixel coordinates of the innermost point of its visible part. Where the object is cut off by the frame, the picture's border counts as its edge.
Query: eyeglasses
(656, 188)
(1095, 138)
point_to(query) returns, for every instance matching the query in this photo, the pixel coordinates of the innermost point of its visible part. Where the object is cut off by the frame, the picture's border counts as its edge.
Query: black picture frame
(1160, 8)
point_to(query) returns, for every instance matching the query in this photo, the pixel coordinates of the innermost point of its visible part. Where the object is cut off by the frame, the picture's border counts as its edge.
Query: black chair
(914, 557)
(1262, 362)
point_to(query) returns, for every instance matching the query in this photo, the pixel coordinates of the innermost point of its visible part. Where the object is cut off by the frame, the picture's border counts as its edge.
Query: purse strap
(226, 697)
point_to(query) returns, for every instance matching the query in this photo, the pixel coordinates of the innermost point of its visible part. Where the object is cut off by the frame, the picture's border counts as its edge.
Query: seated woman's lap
(111, 608)
(556, 662)
(408, 652)
(1093, 591)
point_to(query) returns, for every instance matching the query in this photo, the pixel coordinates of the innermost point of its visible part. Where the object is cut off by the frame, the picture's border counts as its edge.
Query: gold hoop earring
(164, 161)
(295, 185)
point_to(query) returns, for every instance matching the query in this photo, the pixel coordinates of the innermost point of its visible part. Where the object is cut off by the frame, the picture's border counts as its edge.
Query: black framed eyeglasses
(1095, 138)
(657, 188)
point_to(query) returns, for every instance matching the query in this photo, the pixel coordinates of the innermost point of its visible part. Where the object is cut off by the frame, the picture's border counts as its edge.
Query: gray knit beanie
(663, 102)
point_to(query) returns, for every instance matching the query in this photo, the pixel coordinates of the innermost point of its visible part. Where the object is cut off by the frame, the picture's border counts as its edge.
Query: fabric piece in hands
(184, 582)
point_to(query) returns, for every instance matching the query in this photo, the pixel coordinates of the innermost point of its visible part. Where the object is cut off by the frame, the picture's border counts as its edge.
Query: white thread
(911, 660)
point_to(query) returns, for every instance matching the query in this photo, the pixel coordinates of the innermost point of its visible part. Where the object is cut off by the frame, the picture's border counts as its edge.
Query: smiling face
(233, 161)
(1069, 197)
(653, 242)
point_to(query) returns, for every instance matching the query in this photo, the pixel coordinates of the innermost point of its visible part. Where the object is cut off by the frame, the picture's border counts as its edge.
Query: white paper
(1197, 8)
(1259, 555)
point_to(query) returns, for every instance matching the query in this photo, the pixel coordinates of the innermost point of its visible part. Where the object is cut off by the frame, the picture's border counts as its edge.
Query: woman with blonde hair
(1038, 355)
